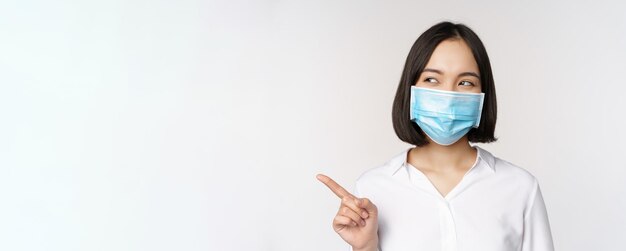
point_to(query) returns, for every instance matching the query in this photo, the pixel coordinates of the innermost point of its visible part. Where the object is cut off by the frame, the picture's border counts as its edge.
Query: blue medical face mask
(445, 116)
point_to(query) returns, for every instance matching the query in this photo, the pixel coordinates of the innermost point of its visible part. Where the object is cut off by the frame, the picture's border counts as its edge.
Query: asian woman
(444, 193)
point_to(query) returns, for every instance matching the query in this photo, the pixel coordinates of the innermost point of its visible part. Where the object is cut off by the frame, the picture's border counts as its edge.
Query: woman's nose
(449, 86)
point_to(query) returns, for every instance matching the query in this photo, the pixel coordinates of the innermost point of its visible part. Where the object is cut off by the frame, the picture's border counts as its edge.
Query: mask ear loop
(480, 111)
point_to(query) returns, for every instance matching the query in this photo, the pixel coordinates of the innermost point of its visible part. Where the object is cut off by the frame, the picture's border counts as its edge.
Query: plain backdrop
(200, 125)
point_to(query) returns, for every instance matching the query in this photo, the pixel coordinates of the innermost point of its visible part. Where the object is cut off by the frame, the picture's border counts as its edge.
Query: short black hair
(417, 59)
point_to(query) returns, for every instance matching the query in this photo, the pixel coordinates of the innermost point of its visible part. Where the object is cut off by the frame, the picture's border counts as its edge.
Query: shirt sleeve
(537, 235)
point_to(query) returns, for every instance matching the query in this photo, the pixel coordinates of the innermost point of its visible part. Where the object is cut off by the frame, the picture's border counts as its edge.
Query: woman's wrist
(373, 246)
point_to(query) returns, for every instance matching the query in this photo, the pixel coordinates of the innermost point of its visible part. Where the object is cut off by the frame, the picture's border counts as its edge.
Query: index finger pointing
(336, 188)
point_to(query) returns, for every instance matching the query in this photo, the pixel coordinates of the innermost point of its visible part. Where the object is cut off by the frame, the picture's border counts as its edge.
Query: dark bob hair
(417, 59)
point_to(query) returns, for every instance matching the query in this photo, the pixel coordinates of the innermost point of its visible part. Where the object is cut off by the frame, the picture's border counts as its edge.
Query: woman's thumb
(366, 204)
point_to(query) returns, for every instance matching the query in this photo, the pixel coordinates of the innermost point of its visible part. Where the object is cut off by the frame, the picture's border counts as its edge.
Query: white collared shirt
(497, 206)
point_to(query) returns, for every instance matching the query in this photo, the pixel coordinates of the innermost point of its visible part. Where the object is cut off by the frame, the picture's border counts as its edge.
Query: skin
(451, 67)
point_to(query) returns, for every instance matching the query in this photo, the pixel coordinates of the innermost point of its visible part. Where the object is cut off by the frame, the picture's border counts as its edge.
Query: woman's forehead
(452, 56)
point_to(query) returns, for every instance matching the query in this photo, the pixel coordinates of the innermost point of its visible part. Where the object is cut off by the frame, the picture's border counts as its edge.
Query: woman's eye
(466, 83)
(430, 80)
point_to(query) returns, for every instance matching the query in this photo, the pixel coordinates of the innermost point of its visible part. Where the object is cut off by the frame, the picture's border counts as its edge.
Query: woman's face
(451, 68)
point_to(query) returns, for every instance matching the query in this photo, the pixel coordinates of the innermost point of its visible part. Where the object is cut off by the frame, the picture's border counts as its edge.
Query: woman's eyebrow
(432, 70)
(469, 73)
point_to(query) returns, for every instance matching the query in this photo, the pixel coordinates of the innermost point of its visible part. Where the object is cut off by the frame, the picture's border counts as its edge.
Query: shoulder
(380, 176)
(505, 170)
(514, 180)
(385, 169)
(514, 173)
(375, 173)
(518, 182)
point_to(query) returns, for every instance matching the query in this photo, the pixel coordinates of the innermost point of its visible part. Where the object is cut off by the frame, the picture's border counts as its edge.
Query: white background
(195, 125)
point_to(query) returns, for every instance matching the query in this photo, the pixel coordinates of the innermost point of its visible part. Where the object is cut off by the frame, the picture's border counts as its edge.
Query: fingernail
(362, 223)
(354, 224)
(364, 214)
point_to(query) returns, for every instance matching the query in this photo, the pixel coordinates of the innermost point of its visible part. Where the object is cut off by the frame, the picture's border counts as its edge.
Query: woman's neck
(440, 158)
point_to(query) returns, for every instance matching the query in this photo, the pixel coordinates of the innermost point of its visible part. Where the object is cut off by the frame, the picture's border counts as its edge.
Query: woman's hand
(357, 219)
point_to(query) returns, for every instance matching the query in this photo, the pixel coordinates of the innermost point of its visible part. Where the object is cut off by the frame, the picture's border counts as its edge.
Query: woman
(444, 194)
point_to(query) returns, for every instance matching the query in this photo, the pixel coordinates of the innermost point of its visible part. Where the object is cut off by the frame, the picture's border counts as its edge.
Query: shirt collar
(399, 160)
